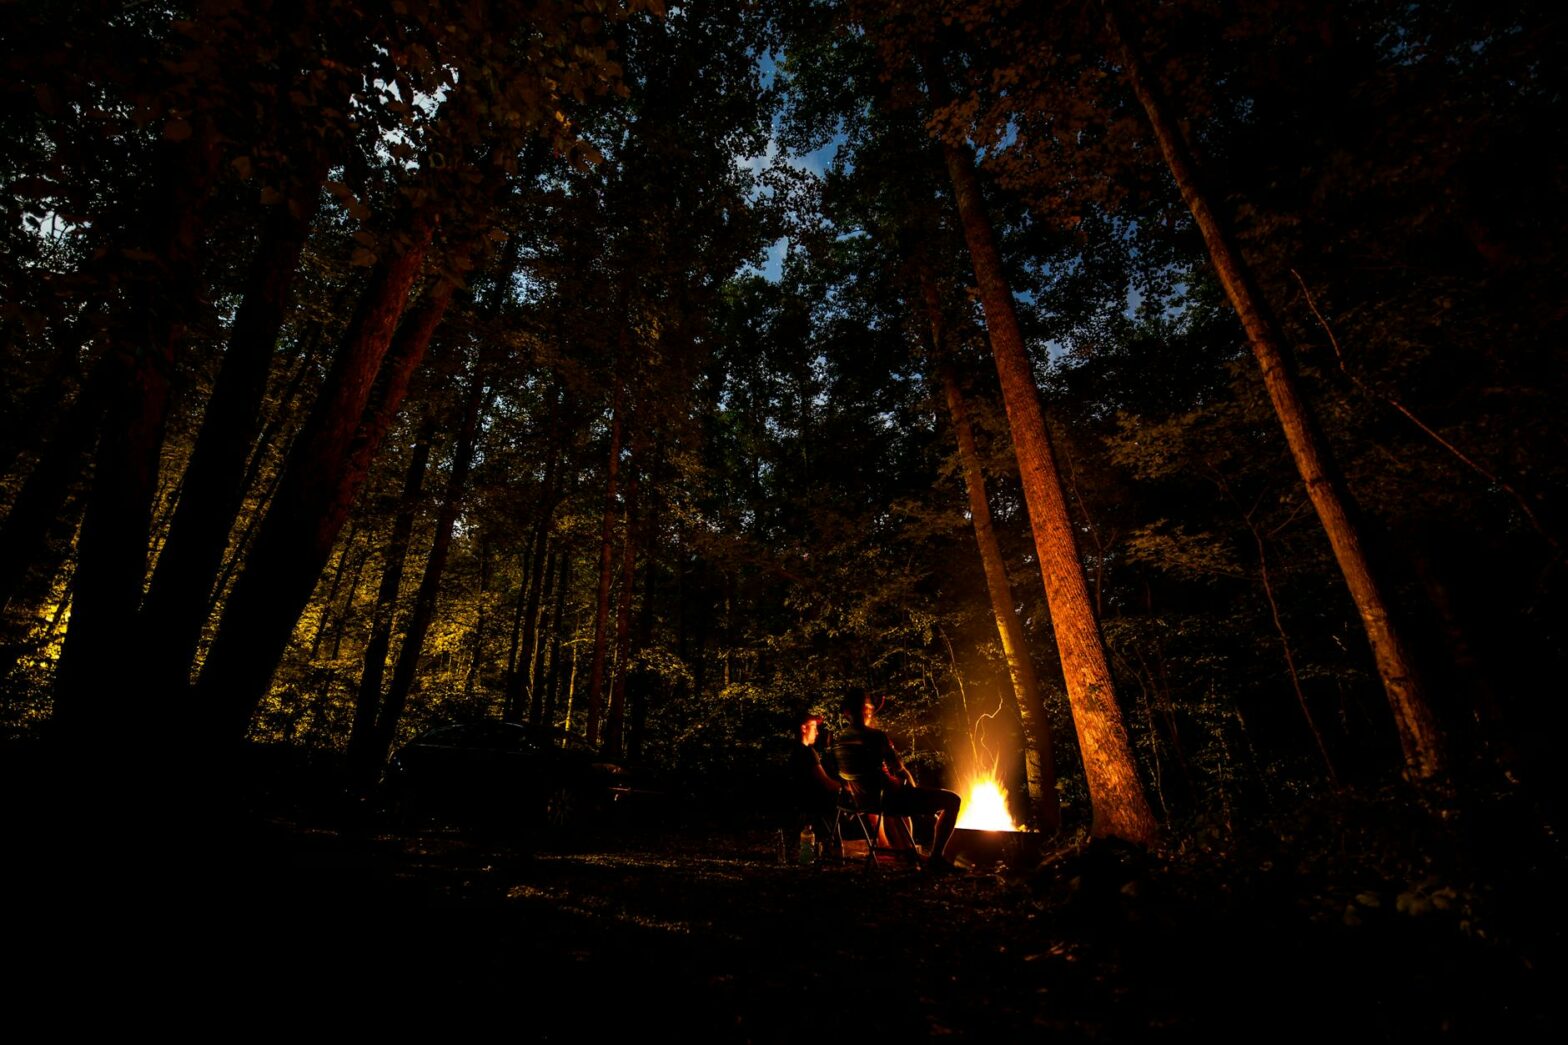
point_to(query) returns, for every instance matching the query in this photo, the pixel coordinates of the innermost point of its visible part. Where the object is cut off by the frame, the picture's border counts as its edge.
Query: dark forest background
(588, 364)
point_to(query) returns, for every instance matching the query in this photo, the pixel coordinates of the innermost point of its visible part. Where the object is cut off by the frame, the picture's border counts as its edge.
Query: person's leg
(946, 803)
(898, 805)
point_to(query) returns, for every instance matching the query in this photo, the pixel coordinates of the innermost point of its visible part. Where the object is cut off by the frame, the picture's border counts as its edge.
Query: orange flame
(985, 806)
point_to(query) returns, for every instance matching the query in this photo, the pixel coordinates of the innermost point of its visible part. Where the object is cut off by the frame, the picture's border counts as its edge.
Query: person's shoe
(942, 865)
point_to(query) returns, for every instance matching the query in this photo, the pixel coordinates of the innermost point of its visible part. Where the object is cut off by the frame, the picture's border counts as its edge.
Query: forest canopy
(1158, 402)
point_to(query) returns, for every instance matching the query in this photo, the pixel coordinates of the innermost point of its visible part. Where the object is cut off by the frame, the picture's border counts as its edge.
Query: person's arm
(894, 766)
(822, 779)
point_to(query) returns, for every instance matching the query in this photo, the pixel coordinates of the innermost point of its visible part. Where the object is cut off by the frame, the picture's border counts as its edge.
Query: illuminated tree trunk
(1419, 738)
(1115, 793)
(601, 620)
(424, 609)
(1039, 765)
(324, 471)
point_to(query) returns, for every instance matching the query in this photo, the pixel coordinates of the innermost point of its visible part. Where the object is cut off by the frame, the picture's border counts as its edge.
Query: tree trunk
(1115, 793)
(213, 489)
(476, 650)
(100, 650)
(332, 592)
(536, 700)
(319, 483)
(1419, 738)
(614, 728)
(552, 682)
(430, 584)
(527, 670)
(368, 697)
(38, 503)
(601, 620)
(1039, 764)
(511, 709)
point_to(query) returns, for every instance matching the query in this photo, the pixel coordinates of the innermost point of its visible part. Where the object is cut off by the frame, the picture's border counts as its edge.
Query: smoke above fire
(977, 759)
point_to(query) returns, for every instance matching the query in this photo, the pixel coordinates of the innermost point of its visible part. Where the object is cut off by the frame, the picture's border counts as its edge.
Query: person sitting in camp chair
(870, 766)
(810, 793)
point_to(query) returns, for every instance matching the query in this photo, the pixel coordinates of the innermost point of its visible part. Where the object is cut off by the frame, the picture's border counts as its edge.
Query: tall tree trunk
(601, 620)
(1039, 764)
(527, 671)
(424, 608)
(213, 489)
(332, 592)
(536, 652)
(368, 697)
(552, 682)
(36, 602)
(476, 651)
(324, 471)
(111, 563)
(1419, 737)
(511, 710)
(614, 723)
(1115, 793)
(638, 695)
(38, 503)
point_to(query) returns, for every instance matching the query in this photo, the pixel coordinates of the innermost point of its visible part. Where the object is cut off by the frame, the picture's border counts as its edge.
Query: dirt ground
(688, 927)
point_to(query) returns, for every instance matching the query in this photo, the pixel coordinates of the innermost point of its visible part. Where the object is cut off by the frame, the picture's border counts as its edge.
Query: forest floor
(688, 927)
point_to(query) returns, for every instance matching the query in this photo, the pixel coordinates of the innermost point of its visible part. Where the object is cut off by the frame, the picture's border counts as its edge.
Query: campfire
(985, 805)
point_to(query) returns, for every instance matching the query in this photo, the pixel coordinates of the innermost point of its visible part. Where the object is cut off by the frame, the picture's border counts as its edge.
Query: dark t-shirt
(802, 782)
(864, 756)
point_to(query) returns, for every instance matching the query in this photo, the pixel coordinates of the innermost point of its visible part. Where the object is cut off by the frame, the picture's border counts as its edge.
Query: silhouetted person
(811, 794)
(868, 762)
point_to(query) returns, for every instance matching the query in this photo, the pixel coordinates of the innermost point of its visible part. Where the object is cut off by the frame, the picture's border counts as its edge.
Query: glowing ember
(985, 807)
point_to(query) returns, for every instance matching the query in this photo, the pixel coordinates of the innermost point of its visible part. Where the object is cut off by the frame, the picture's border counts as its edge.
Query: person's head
(858, 705)
(807, 725)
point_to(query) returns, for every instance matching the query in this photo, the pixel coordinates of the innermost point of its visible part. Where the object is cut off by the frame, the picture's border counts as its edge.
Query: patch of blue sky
(816, 163)
(1008, 137)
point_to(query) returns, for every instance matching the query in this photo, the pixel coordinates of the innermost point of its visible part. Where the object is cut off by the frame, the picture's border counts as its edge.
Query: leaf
(177, 130)
(242, 167)
(363, 258)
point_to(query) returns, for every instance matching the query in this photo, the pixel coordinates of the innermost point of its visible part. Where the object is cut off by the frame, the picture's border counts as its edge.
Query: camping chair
(862, 804)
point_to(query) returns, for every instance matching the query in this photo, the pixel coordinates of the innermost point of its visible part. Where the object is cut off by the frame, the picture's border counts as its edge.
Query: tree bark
(511, 708)
(536, 651)
(601, 620)
(368, 697)
(1419, 738)
(38, 503)
(614, 726)
(111, 565)
(552, 682)
(424, 608)
(324, 471)
(1039, 763)
(527, 664)
(1115, 793)
(213, 488)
